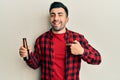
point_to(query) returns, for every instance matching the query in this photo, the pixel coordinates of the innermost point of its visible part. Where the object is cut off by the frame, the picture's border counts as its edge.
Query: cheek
(51, 19)
(62, 19)
(65, 21)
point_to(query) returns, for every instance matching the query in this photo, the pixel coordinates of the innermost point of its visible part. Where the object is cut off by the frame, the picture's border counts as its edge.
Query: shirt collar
(66, 35)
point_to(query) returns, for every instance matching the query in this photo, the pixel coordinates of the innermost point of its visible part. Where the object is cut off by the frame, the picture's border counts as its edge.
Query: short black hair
(58, 5)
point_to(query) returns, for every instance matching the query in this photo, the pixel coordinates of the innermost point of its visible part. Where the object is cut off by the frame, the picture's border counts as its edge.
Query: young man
(59, 51)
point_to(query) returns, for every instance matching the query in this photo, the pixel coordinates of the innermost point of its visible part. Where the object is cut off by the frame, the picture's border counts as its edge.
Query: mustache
(56, 21)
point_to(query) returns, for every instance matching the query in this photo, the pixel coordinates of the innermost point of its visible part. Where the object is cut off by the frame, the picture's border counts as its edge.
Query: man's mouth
(56, 23)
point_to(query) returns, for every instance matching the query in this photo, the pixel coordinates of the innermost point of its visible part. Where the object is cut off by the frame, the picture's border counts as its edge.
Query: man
(59, 51)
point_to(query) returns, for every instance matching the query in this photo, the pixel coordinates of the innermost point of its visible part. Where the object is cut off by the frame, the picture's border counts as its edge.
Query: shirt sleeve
(35, 57)
(90, 55)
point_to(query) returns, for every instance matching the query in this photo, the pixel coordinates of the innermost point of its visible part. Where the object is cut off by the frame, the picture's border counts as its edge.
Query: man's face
(58, 19)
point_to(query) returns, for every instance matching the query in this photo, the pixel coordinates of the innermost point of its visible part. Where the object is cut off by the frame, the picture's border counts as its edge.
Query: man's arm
(87, 52)
(90, 54)
(34, 57)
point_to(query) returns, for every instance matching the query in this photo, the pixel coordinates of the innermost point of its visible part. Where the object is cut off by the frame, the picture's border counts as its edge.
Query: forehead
(56, 10)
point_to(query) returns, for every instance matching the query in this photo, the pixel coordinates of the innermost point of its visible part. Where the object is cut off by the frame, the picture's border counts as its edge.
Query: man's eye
(52, 15)
(60, 15)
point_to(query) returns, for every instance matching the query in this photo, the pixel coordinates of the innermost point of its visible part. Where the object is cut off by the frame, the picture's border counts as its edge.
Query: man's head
(58, 5)
(58, 17)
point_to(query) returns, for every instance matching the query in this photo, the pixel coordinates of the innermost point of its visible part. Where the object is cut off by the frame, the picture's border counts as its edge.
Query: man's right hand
(23, 51)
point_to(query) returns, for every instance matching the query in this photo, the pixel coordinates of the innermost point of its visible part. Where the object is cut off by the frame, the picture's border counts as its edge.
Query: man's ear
(67, 19)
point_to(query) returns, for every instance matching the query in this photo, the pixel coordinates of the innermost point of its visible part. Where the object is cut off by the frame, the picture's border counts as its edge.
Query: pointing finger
(75, 42)
(69, 44)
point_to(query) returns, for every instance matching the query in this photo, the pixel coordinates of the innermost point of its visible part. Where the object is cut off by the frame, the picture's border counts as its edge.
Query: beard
(58, 28)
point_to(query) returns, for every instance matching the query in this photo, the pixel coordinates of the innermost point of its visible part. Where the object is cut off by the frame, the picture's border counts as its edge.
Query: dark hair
(58, 5)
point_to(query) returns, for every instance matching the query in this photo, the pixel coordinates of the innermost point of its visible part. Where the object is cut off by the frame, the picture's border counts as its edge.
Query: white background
(98, 20)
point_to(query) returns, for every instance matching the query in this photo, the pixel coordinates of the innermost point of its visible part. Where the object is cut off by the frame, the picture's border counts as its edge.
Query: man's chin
(56, 29)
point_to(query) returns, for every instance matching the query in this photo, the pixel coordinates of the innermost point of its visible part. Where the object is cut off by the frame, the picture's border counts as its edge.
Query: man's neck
(59, 32)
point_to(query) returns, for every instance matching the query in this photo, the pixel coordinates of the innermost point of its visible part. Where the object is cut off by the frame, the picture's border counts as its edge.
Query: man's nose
(56, 17)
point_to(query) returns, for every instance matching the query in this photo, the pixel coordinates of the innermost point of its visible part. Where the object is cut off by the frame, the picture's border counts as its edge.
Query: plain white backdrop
(98, 20)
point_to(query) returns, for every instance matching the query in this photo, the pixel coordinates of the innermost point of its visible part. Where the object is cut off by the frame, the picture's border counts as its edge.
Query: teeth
(56, 23)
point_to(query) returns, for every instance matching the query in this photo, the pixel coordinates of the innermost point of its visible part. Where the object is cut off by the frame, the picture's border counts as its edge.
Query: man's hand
(23, 51)
(76, 48)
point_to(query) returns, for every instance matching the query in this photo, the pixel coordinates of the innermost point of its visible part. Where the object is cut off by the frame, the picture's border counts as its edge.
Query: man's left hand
(76, 48)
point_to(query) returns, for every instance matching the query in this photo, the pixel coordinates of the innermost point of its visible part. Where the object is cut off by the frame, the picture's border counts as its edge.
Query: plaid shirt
(43, 57)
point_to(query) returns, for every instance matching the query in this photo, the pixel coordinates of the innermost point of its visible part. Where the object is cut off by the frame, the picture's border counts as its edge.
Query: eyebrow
(57, 13)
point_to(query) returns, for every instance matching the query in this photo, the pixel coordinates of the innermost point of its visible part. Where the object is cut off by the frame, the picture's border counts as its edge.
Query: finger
(22, 53)
(69, 44)
(22, 50)
(76, 42)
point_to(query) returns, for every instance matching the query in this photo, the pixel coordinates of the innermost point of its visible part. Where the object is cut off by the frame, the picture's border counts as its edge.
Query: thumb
(29, 49)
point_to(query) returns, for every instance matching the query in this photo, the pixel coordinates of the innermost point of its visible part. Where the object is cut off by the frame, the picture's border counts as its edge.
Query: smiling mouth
(56, 23)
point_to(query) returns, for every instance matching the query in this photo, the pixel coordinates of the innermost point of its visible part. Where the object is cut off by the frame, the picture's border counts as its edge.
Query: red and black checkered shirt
(43, 56)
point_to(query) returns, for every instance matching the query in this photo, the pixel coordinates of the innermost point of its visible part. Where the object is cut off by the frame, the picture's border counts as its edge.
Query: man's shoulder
(44, 35)
(74, 33)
